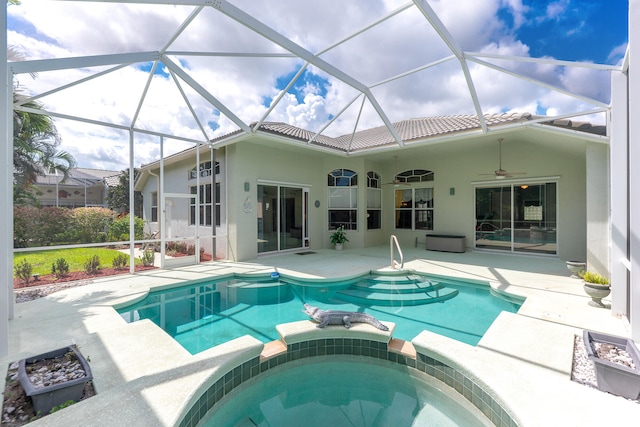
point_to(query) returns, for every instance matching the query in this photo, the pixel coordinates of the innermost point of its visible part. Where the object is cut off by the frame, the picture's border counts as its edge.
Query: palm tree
(35, 144)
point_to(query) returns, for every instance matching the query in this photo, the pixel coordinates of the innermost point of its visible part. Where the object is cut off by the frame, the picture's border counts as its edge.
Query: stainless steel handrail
(393, 240)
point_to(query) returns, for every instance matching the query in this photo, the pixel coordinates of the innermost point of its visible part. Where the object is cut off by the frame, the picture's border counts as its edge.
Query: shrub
(148, 256)
(119, 229)
(40, 227)
(120, 261)
(23, 270)
(92, 265)
(60, 268)
(91, 224)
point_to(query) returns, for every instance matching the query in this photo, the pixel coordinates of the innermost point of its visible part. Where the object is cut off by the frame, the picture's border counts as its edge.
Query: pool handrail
(394, 240)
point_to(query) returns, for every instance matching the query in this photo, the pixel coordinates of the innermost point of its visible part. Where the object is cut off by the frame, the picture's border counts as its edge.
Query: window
(218, 204)
(374, 201)
(204, 170)
(343, 199)
(205, 205)
(414, 208)
(154, 206)
(414, 175)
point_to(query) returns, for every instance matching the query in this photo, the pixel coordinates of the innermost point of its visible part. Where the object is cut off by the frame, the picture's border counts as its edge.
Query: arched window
(343, 199)
(204, 170)
(374, 201)
(415, 175)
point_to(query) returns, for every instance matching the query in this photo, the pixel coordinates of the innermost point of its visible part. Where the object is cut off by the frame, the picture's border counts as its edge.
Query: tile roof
(412, 130)
(79, 177)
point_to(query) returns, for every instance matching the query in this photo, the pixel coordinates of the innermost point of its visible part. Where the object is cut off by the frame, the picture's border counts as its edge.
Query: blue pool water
(342, 393)
(204, 315)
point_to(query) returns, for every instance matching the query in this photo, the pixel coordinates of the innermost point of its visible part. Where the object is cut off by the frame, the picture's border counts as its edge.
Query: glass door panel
(517, 218)
(493, 218)
(281, 214)
(535, 218)
(267, 218)
(291, 218)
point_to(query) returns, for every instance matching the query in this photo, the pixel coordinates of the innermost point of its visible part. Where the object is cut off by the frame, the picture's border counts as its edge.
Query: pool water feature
(341, 391)
(203, 315)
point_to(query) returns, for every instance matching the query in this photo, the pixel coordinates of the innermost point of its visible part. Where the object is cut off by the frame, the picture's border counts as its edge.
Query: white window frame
(342, 197)
(374, 197)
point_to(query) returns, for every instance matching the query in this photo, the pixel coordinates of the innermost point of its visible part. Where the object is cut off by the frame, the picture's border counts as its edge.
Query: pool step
(400, 288)
(366, 297)
(395, 279)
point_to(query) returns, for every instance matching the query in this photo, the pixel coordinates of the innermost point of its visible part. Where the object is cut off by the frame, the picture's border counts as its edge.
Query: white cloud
(519, 12)
(556, 9)
(247, 84)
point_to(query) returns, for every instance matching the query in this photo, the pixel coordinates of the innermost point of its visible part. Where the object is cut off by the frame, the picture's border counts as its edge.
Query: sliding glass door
(518, 217)
(281, 218)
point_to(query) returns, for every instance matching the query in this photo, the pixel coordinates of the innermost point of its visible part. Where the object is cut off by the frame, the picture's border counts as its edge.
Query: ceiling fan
(396, 182)
(501, 173)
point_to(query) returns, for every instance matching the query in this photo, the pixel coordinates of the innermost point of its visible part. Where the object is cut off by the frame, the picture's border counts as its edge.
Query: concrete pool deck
(144, 378)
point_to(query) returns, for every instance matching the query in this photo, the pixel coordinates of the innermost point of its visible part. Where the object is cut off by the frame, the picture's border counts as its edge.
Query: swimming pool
(203, 315)
(330, 392)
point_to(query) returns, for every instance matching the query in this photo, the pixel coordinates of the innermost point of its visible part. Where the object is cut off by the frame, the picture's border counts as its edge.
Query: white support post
(634, 172)
(162, 208)
(132, 234)
(619, 169)
(6, 192)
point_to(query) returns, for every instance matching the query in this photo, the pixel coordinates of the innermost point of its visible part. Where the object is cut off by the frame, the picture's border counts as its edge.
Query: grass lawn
(41, 261)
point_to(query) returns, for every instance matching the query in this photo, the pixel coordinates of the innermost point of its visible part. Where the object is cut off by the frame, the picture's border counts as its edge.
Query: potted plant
(596, 286)
(576, 267)
(338, 238)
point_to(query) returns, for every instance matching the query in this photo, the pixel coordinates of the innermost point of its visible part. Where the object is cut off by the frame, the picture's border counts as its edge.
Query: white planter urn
(338, 246)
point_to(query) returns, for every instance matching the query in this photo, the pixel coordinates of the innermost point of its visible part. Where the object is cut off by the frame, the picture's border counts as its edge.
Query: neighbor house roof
(80, 177)
(412, 130)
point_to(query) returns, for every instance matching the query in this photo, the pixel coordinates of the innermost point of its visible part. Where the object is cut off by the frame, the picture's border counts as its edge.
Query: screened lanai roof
(195, 71)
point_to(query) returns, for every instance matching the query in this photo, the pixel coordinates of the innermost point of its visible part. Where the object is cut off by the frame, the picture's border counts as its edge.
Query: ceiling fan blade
(501, 173)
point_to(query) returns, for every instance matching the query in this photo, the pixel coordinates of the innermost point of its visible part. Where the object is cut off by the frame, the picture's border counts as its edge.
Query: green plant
(23, 270)
(61, 406)
(339, 236)
(60, 268)
(91, 224)
(120, 261)
(119, 228)
(92, 265)
(593, 277)
(148, 257)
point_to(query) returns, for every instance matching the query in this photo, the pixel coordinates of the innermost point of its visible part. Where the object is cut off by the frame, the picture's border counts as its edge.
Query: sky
(250, 84)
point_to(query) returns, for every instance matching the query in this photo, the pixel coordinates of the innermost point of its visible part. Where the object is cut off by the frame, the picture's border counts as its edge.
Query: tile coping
(300, 340)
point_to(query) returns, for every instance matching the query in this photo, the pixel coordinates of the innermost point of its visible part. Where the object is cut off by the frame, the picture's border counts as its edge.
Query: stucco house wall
(176, 209)
(458, 168)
